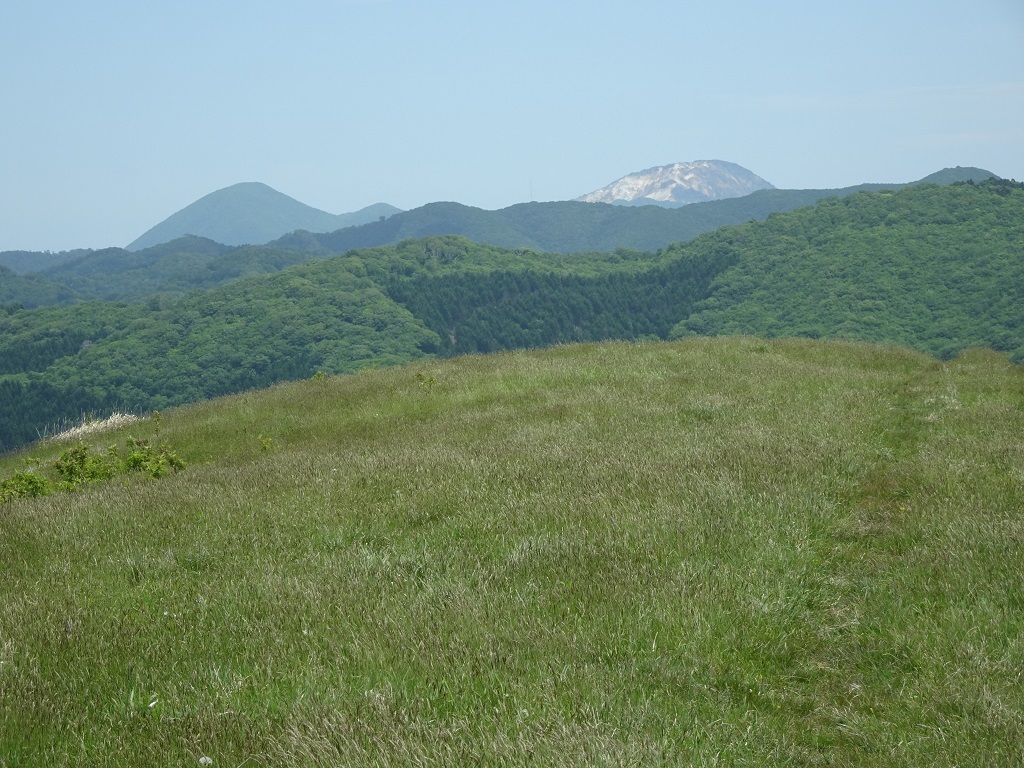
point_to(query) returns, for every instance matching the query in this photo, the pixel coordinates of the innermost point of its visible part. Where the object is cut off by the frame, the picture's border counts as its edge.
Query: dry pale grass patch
(89, 427)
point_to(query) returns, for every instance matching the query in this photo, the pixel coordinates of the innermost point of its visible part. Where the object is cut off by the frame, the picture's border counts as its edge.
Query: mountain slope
(250, 212)
(568, 227)
(774, 553)
(679, 184)
(929, 267)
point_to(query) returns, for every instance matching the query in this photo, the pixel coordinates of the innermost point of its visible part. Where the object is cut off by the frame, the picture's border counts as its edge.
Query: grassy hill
(713, 551)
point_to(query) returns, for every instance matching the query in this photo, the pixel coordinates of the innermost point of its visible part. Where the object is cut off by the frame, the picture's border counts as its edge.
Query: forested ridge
(484, 312)
(32, 290)
(935, 268)
(566, 226)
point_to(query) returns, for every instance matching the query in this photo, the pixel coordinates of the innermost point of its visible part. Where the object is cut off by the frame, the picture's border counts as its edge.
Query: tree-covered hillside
(35, 261)
(933, 268)
(103, 357)
(171, 269)
(31, 290)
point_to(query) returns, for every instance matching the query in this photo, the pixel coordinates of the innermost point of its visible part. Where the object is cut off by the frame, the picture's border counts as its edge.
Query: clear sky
(116, 114)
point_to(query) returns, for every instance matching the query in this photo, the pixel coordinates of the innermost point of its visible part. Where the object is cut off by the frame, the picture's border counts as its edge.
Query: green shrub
(24, 484)
(140, 456)
(76, 466)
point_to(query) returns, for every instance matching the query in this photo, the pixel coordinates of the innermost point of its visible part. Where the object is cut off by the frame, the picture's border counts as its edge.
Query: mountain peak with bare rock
(672, 186)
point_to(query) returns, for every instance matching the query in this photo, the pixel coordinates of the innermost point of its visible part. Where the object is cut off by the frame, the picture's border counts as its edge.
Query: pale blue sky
(118, 114)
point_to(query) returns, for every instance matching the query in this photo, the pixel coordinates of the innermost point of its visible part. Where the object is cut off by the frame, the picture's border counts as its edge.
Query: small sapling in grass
(426, 382)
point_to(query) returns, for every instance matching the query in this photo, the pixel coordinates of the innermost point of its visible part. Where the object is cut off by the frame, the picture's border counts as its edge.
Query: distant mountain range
(648, 210)
(573, 227)
(671, 186)
(251, 213)
(181, 264)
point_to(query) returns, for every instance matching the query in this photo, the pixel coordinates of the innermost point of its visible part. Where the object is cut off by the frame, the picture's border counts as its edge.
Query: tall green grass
(715, 552)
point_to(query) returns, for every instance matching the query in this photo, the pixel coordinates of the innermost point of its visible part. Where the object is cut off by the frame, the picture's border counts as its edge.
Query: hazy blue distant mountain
(251, 212)
(36, 261)
(953, 175)
(561, 227)
(671, 186)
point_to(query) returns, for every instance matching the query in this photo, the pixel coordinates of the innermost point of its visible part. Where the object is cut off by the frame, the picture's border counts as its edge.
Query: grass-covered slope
(729, 552)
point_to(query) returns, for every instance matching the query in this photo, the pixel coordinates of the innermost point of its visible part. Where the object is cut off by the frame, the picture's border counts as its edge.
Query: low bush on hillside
(79, 465)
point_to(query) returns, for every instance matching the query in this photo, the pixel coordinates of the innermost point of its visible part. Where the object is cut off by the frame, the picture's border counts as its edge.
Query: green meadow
(724, 551)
